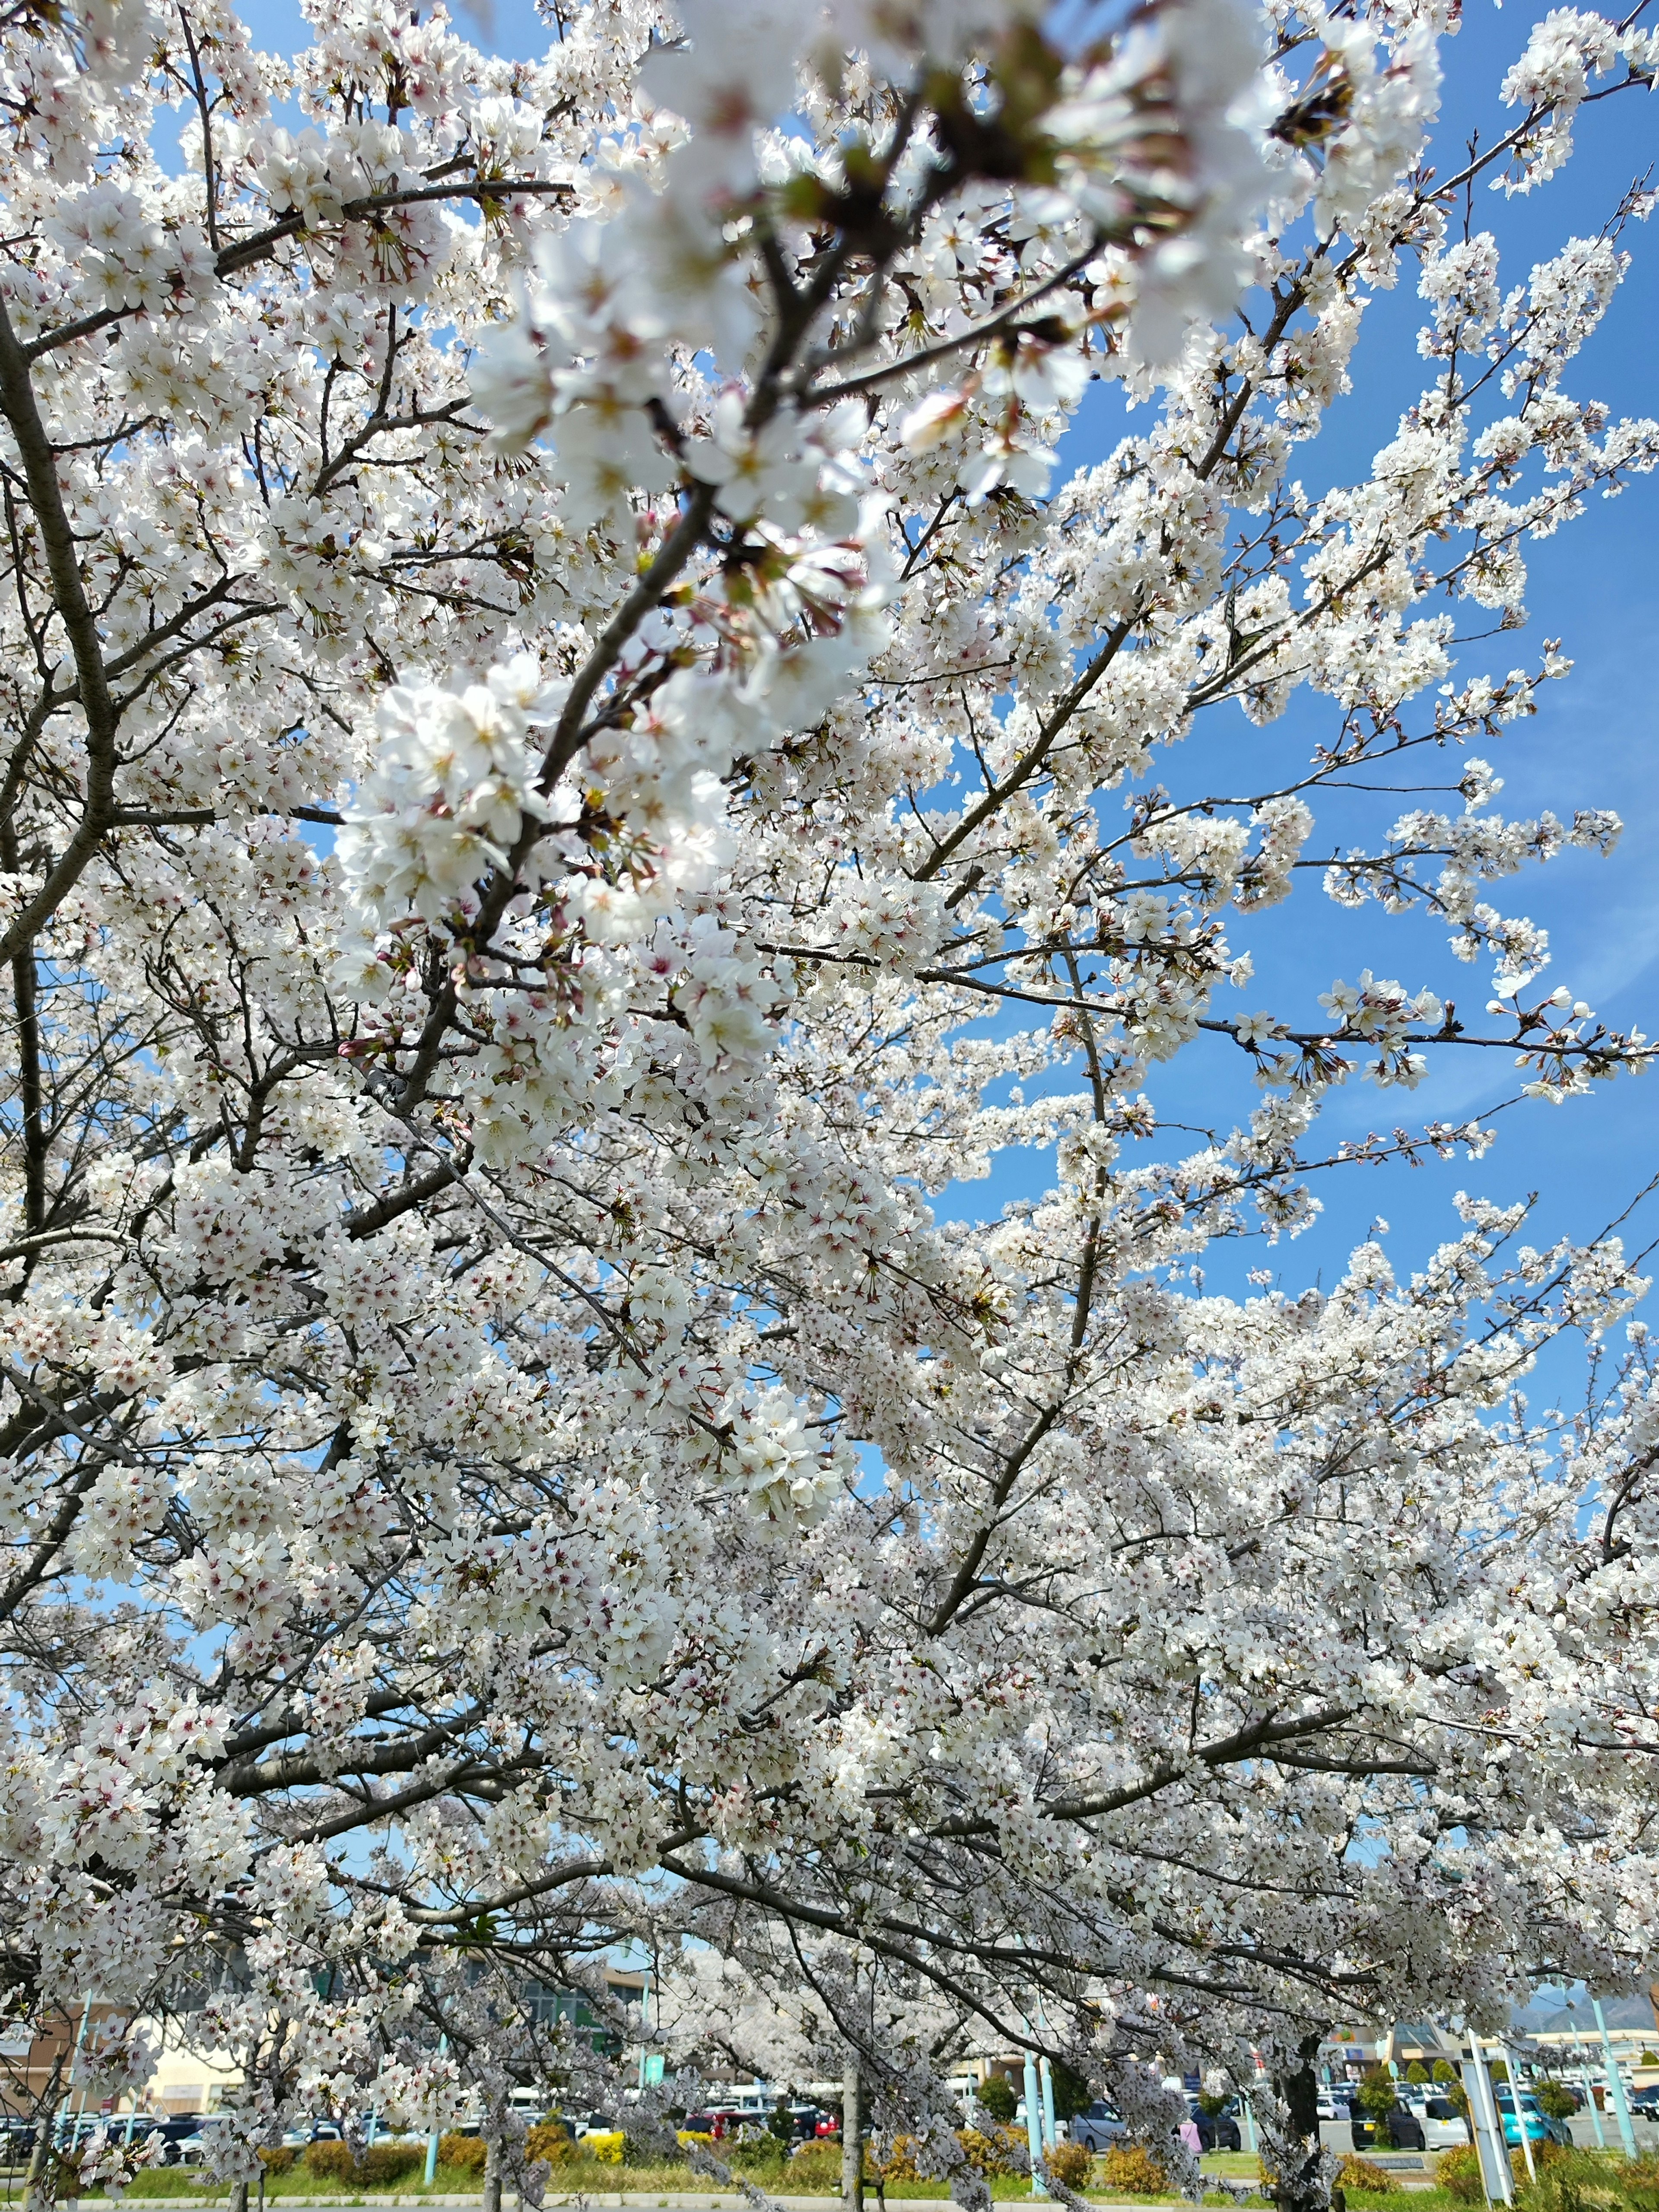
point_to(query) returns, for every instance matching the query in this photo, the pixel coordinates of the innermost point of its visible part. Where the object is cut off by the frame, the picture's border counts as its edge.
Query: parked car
(1444, 2127)
(718, 2121)
(1216, 2130)
(1539, 2126)
(16, 2139)
(1644, 2103)
(175, 2131)
(194, 2148)
(1098, 2128)
(325, 2131)
(1575, 2095)
(1399, 2129)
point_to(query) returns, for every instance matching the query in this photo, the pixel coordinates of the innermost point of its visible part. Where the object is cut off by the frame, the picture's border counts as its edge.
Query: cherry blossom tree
(552, 689)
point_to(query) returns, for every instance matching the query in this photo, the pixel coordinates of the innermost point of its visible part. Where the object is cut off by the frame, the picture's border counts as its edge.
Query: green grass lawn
(594, 2177)
(588, 2177)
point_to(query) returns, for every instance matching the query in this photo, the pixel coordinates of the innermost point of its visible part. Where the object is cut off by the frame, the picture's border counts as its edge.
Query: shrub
(463, 2154)
(386, 2162)
(1365, 2174)
(815, 2166)
(759, 2155)
(1070, 2164)
(1555, 2102)
(992, 2150)
(331, 2161)
(997, 2097)
(607, 2149)
(277, 2160)
(899, 2162)
(1459, 2171)
(1132, 2168)
(1575, 2181)
(1636, 2182)
(549, 2139)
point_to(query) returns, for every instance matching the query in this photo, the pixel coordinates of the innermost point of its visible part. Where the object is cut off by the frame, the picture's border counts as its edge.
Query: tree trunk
(1300, 2184)
(33, 2194)
(852, 2141)
(492, 2180)
(238, 2197)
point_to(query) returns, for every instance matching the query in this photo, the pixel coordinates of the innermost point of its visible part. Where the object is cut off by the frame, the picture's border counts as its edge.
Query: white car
(1444, 2126)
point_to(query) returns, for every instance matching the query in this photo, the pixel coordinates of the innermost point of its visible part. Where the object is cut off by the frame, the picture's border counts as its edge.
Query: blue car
(1539, 2126)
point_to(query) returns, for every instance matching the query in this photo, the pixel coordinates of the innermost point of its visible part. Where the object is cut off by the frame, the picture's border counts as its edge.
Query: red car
(719, 2122)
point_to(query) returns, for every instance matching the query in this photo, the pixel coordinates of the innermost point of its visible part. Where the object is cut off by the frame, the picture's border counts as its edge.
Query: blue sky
(1594, 585)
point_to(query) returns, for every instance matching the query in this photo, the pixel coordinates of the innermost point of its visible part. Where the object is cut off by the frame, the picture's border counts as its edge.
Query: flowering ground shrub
(1459, 2171)
(815, 2166)
(1365, 2174)
(331, 2161)
(463, 2154)
(549, 2139)
(1071, 2163)
(995, 2150)
(1132, 2170)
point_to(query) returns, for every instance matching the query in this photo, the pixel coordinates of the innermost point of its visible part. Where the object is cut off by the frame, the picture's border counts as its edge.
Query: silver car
(1102, 2125)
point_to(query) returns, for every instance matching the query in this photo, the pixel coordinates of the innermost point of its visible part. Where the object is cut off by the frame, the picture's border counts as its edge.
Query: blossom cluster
(578, 763)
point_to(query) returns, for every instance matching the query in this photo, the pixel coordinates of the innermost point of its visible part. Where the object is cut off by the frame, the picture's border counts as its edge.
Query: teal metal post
(432, 2140)
(1034, 2125)
(75, 2064)
(1046, 2074)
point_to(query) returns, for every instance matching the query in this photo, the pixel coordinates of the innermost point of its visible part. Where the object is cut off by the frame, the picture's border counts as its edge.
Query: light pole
(1514, 2073)
(1615, 2083)
(1034, 2125)
(432, 2140)
(1246, 2110)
